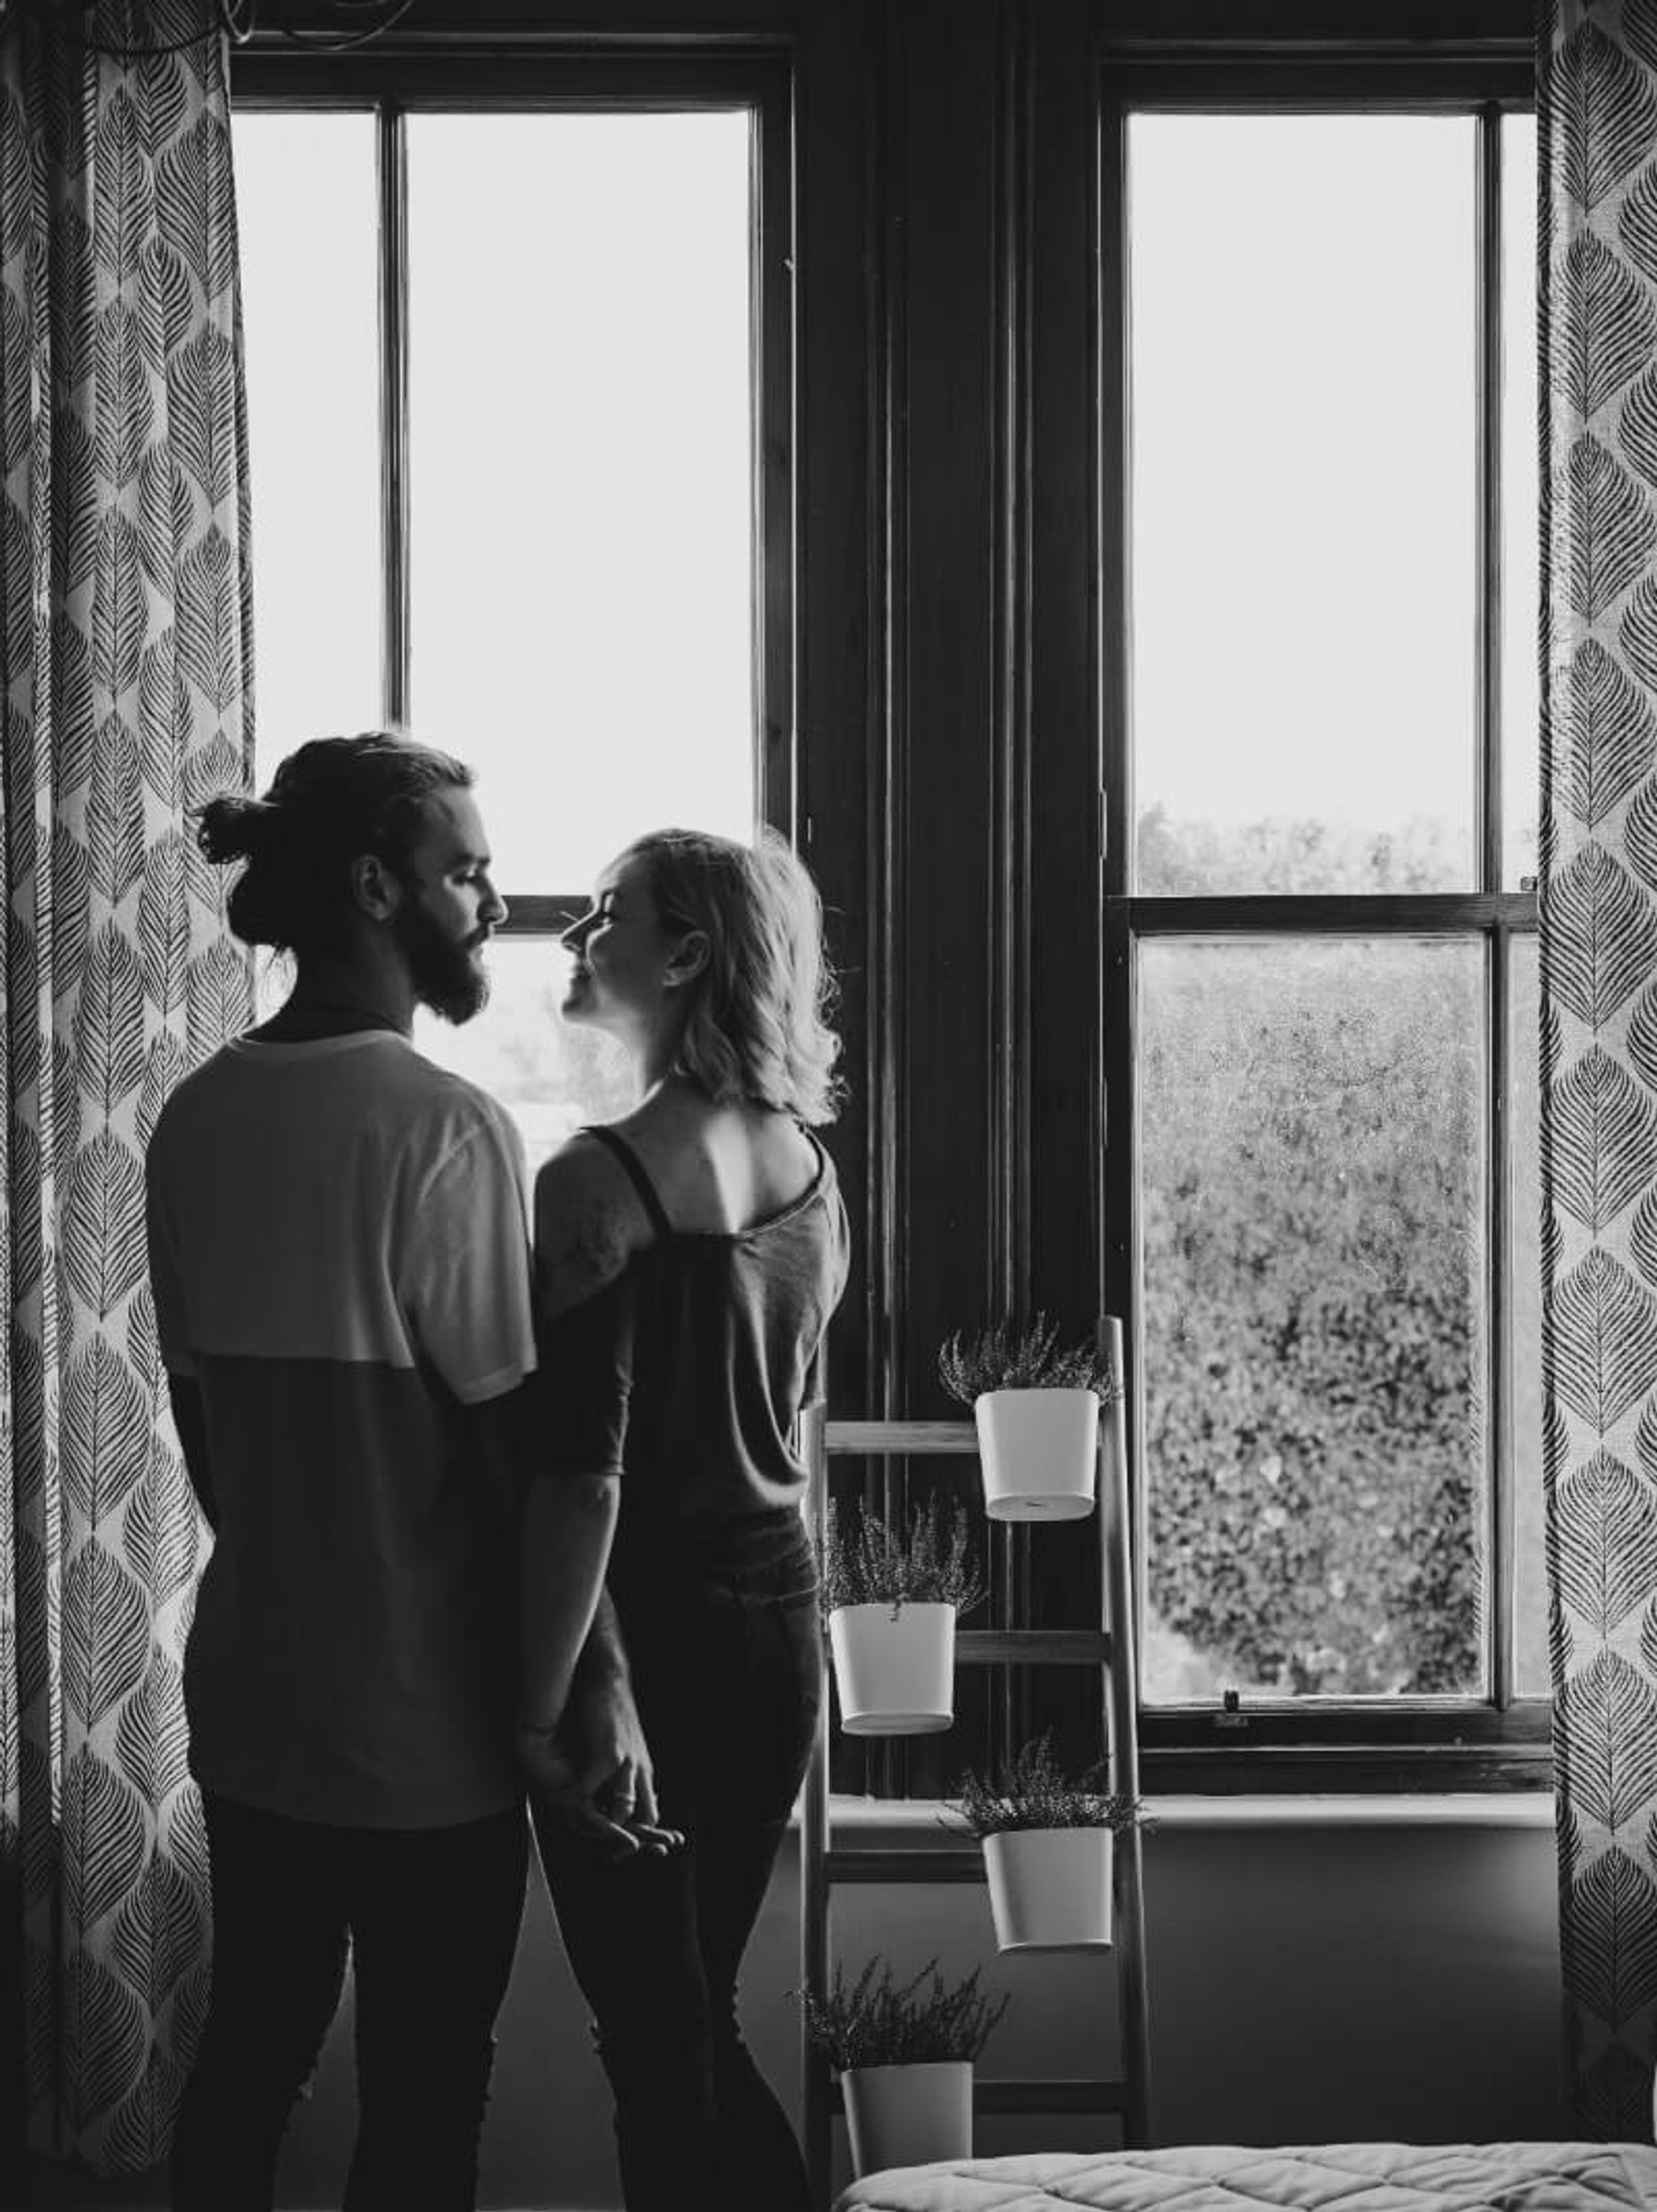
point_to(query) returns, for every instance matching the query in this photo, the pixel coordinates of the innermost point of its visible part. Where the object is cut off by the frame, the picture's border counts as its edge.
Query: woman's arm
(574, 1679)
(588, 1225)
(568, 1525)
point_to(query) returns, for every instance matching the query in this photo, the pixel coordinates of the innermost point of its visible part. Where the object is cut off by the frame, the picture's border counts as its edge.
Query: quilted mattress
(1320, 2177)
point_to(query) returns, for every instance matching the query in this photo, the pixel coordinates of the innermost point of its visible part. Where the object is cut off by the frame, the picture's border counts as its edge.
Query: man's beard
(445, 976)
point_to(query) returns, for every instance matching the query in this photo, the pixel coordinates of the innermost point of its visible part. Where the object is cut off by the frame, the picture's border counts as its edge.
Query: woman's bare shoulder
(588, 1222)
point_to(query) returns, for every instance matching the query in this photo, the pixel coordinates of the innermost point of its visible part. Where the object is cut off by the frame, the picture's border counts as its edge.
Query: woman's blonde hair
(757, 1027)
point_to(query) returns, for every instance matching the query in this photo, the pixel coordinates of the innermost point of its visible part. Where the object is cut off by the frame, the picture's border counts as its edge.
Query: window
(509, 370)
(1320, 996)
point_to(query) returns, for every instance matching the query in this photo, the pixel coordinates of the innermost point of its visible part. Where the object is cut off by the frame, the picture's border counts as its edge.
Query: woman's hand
(566, 1788)
(616, 1772)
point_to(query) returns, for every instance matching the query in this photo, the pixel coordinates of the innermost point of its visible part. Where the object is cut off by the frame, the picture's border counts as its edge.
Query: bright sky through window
(581, 461)
(1301, 303)
(305, 223)
(581, 400)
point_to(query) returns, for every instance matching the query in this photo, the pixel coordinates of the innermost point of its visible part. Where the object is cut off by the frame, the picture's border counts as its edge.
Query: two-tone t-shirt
(340, 1260)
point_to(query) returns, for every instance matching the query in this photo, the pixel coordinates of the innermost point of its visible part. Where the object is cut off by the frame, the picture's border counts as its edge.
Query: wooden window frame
(390, 86)
(1500, 1741)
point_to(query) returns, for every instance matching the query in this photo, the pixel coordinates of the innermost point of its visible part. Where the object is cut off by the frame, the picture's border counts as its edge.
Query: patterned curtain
(1598, 133)
(124, 677)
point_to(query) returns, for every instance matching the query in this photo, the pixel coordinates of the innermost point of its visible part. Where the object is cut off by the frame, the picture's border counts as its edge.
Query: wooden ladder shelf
(824, 1863)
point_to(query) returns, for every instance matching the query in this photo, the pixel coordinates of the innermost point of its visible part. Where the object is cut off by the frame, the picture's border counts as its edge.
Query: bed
(1319, 2178)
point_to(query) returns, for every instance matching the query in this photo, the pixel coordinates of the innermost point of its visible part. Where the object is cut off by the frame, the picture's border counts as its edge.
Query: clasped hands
(592, 1771)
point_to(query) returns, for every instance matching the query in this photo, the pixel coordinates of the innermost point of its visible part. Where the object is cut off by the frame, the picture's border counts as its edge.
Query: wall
(1387, 1974)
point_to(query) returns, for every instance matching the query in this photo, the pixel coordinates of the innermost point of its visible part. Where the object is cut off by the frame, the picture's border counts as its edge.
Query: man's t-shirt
(339, 1252)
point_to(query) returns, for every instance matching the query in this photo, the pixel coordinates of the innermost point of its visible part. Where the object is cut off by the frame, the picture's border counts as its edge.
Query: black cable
(237, 19)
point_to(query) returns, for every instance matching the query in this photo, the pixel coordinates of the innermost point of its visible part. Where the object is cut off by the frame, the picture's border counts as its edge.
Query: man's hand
(564, 1789)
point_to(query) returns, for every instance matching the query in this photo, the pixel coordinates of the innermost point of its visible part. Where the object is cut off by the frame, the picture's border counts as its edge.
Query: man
(339, 1257)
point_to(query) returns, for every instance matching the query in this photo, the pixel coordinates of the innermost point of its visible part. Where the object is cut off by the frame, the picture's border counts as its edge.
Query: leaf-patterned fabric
(124, 677)
(1597, 135)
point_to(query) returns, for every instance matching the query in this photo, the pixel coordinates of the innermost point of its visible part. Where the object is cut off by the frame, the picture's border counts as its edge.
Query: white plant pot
(1039, 1453)
(894, 1667)
(1050, 1888)
(908, 2115)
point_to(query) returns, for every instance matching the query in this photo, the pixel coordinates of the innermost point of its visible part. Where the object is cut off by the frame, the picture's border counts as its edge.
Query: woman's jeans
(724, 1642)
(430, 1916)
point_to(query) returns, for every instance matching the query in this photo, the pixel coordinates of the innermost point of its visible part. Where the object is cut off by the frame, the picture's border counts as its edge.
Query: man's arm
(191, 1423)
(572, 1671)
(603, 1658)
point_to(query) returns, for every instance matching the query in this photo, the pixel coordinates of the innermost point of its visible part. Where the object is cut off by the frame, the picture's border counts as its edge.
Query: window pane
(1312, 1316)
(581, 476)
(551, 1077)
(1521, 499)
(307, 222)
(1301, 303)
(1531, 1677)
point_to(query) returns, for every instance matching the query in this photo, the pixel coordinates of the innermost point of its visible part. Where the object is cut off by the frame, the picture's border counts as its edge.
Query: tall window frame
(1501, 1740)
(390, 86)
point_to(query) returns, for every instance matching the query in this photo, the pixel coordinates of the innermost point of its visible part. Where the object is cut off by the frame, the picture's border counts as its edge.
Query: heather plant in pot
(905, 2057)
(1036, 1401)
(1048, 1840)
(892, 1594)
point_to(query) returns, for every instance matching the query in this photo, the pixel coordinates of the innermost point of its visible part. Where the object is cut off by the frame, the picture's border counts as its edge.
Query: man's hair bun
(234, 827)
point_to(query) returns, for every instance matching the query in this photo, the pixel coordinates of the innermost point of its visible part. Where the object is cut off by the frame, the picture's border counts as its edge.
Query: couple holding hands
(497, 1509)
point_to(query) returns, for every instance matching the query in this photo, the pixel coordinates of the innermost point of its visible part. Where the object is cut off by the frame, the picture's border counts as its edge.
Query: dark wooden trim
(775, 644)
(889, 1196)
(1498, 1335)
(886, 304)
(919, 1862)
(1033, 1647)
(1057, 1581)
(1331, 1721)
(1009, 797)
(738, 72)
(442, 34)
(1487, 504)
(1411, 1738)
(392, 180)
(1502, 1565)
(1224, 79)
(1419, 1770)
(1478, 29)
(1416, 914)
(1114, 1026)
(1008, 1113)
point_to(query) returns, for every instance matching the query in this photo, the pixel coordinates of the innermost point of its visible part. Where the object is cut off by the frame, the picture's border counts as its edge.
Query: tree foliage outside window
(1320, 1109)
(1312, 1315)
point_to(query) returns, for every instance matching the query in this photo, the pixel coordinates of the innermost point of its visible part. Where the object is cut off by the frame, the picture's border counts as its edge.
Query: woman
(688, 1259)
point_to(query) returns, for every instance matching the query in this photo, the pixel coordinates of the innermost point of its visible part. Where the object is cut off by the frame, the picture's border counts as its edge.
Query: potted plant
(905, 2061)
(1037, 1403)
(891, 1597)
(1047, 1844)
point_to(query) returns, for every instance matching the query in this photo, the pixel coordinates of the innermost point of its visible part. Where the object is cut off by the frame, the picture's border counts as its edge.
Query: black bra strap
(641, 1182)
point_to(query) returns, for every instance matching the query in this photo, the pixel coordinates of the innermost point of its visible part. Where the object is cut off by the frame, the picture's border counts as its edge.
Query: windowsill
(912, 1820)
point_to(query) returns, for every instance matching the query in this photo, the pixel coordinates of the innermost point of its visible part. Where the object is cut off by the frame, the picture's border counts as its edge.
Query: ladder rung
(1033, 1647)
(898, 1437)
(964, 1863)
(1033, 2095)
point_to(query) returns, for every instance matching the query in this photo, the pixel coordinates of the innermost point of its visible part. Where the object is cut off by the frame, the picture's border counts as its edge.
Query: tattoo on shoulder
(593, 1250)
